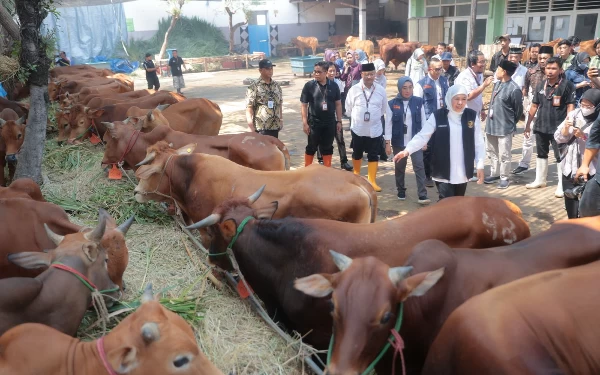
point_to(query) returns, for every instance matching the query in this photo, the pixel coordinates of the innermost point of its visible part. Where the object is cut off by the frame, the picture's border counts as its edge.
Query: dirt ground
(540, 207)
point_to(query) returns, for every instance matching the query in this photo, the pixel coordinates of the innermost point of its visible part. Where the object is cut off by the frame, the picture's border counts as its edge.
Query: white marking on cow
(509, 234)
(248, 138)
(490, 224)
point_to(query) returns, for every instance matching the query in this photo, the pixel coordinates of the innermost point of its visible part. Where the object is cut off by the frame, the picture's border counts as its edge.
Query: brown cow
(21, 109)
(12, 134)
(295, 247)
(383, 41)
(314, 191)
(367, 46)
(302, 42)
(23, 222)
(397, 53)
(338, 40)
(105, 90)
(59, 86)
(193, 116)
(542, 324)
(150, 341)
(123, 95)
(429, 51)
(127, 146)
(57, 297)
(22, 188)
(467, 273)
(588, 46)
(75, 69)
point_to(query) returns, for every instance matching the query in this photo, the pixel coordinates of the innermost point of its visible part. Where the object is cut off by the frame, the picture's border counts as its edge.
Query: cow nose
(61, 142)
(11, 158)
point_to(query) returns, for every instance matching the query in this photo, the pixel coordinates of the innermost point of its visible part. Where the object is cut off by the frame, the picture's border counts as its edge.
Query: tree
(175, 12)
(232, 7)
(35, 64)
(8, 23)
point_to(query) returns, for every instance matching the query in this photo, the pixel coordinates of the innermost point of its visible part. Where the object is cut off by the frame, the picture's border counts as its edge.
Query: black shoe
(429, 182)
(491, 179)
(347, 167)
(321, 161)
(519, 170)
(424, 200)
(503, 184)
(401, 195)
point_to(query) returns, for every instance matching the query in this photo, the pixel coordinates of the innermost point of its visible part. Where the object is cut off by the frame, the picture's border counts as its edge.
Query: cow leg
(2, 164)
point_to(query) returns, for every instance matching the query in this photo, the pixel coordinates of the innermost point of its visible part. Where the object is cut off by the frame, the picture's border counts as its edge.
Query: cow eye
(331, 306)
(19, 136)
(385, 319)
(180, 362)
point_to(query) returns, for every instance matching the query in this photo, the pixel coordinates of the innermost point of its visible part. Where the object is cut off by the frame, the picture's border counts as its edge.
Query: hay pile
(9, 68)
(233, 337)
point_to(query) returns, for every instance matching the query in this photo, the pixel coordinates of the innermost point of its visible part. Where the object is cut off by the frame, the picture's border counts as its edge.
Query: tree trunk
(9, 24)
(232, 29)
(164, 45)
(33, 53)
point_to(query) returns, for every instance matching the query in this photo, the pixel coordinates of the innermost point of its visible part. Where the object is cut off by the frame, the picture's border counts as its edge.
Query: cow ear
(137, 123)
(31, 260)
(186, 150)
(90, 250)
(20, 121)
(95, 112)
(123, 360)
(419, 284)
(228, 228)
(266, 212)
(318, 285)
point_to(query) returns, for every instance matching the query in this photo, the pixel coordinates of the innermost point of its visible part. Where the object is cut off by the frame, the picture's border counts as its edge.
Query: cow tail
(286, 154)
(368, 189)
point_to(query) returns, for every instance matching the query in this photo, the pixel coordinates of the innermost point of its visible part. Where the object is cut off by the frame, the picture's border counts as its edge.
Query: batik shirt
(258, 96)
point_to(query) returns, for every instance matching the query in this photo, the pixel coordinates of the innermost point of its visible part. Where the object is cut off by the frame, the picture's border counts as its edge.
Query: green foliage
(192, 37)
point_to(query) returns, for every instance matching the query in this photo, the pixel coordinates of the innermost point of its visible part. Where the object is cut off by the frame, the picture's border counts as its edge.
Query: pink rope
(102, 354)
(397, 345)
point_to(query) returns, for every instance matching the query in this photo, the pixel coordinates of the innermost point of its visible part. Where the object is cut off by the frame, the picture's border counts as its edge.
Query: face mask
(587, 111)
(583, 66)
(576, 49)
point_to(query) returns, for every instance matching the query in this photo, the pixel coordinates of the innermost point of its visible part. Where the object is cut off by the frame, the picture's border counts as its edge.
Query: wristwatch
(339, 121)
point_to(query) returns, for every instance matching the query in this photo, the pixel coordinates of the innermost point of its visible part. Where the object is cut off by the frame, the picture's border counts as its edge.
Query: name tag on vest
(442, 126)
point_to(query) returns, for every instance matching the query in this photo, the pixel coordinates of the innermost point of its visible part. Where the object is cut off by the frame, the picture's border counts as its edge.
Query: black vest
(440, 150)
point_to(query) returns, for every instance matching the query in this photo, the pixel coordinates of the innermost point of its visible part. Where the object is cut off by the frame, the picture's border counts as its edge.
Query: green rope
(381, 353)
(91, 288)
(239, 230)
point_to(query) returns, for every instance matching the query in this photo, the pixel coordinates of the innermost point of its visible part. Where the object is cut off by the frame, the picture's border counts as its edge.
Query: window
(585, 26)
(559, 27)
(588, 4)
(539, 5)
(535, 29)
(452, 8)
(516, 6)
(559, 5)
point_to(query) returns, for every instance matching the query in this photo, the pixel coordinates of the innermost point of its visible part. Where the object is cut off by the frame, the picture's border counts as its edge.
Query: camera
(577, 190)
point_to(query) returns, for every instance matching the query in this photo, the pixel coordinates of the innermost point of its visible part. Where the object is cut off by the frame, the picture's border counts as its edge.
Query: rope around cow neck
(239, 230)
(103, 358)
(382, 352)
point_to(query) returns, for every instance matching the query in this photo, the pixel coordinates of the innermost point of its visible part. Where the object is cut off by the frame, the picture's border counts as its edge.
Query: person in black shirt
(501, 55)
(589, 204)
(552, 100)
(151, 76)
(534, 53)
(175, 64)
(321, 105)
(63, 59)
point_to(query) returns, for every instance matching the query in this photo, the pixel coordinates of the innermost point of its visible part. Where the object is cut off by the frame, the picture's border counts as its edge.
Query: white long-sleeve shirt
(458, 174)
(467, 79)
(356, 106)
(408, 121)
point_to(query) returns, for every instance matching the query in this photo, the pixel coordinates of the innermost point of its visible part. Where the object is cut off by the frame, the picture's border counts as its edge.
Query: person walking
(432, 88)
(366, 102)
(472, 79)
(501, 55)
(264, 102)
(151, 75)
(533, 78)
(416, 66)
(506, 108)
(589, 205)
(333, 76)
(451, 72)
(321, 104)
(572, 135)
(577, 74)
(408, 116)
(552, 100)
(457, 142)
(564, 52)
(515, 55)
(175, 64)
(534, 52)
(350, 75)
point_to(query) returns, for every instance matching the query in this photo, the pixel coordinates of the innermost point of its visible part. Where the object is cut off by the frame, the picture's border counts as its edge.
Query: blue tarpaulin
(2, 91)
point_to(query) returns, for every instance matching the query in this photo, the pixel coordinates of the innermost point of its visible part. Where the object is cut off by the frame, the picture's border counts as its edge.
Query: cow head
(365, 295)
(223, 223)
(154, 340)
(66, 100)
(116, 248)
(13, 134)
(152, 174)
(81, 122)
(82, 251)
(117, 139)
(151, 120)
(54, 87)
(63, 123)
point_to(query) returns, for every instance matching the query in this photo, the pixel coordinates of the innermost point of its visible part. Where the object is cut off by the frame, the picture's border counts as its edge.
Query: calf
(59, 86)
(114, 88)
(272, 253)
(397, 53)
(127, 146)
(302, 42)
(12, 134)
(542, 324)
(124, 95)
(150, 341)
(21, 109)
(59, 296)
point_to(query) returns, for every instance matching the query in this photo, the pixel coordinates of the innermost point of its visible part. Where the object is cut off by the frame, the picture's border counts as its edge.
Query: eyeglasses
(437, 70)
(318, 72)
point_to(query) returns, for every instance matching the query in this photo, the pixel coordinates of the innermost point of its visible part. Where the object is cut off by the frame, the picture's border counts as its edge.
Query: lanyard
(475, 76)
(370, 96)
(323, 92)
(549, 96)
(495, 93)
(405, 111)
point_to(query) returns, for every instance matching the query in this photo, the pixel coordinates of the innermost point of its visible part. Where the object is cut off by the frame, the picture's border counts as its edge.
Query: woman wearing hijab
(416, 67)
(571, 136)
(351, 75)
(361, 57)
(577, 74)
(457, 141)
(339, 61)
(380, 77)
(330, 58)
(408, 116)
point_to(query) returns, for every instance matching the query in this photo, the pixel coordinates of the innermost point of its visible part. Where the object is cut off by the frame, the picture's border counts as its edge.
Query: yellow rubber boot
(357, 164)
(372, 173)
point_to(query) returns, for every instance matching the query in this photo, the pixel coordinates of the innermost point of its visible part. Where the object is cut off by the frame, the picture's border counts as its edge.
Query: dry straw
(9, 67)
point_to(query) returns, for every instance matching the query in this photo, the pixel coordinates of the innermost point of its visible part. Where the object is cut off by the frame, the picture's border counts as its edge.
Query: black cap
(546, 50)
(368, 67)
(148, 54)
(515, 50)
(509, 66)
(265, 63)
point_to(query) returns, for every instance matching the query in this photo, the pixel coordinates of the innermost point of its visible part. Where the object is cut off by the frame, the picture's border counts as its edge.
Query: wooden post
(247, 61)
(472, 24)
(362, 19)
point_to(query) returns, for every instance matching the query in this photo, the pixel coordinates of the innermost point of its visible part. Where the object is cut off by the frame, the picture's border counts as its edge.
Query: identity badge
(367, 116)
(270, 104)
(324, 105)
(556, 101)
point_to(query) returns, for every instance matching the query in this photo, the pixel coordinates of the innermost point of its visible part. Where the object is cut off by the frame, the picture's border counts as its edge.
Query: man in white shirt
(472, 79)
(515, 54)
(366, 103)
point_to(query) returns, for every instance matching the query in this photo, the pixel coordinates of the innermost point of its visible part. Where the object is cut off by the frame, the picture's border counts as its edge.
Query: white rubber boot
(559, 189)
(541, 172)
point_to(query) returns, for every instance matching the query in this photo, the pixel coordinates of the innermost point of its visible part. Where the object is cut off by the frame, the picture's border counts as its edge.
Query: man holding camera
(63, 60)
(589, 205)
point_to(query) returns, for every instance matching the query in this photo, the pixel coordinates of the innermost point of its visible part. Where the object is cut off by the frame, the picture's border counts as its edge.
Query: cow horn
(162, 107)
(123, 228)
(2, 122)
(126, 121)
(150, 332)
(254, 197)
(97, 233)
(56, 238)
(398, 274)
(206, 222)
(147, 159)
(341, 261)
(109, 125)
(20, 121)
(148, 294)
(150, 116)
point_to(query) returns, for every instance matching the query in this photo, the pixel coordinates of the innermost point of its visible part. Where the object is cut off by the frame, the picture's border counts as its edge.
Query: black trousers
(543, 142)
(360, 145)
(153, 82)
(447, 190)
(427, 159)
(321, 137)
(589, 205)
(272, 133)
(572, 205)
(341, 145)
